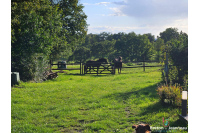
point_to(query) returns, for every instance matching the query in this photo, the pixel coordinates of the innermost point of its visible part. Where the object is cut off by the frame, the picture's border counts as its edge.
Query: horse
(92, 63)
(102, 60)
(118, 63)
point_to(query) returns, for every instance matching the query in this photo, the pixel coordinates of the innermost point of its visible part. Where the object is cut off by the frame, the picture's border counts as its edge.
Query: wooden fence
(104, 68)
(67, 65)
(142, 64)
(101, 69)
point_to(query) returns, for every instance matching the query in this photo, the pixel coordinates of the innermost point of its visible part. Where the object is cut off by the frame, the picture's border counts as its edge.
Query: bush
(129, 64)
(173, 75)
(170, 94)
(31, 67)
(185, 82)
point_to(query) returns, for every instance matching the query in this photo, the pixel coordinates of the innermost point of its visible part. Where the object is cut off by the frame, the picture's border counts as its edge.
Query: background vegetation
(41, 30)
(133, 47)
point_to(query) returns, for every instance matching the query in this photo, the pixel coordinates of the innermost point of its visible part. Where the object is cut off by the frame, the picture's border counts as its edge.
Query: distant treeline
(136, 47)
(131, 46)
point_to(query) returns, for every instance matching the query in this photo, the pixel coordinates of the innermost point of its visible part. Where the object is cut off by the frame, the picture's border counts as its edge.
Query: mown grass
(90, 103)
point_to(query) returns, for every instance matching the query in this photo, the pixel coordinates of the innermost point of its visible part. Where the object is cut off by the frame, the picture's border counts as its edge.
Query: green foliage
(129, 64)
(179, 57)
(130, 46)
(170, 94)
(41, 64)
(176, 46)
(185, 83)
(103, 48)
(173, 74)
(74, 24)
(169, 33)
(158, 46)
(39, 28)
(35, 29)
(150, 37)
(74, 21)
(81, 53)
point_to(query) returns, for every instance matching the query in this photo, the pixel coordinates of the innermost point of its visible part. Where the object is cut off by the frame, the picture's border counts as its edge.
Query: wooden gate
(101, 69)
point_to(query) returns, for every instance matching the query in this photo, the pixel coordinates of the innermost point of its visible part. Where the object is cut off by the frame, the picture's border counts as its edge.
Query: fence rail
(140, 61)
(82, 71)
(69, 64)
(143, 66)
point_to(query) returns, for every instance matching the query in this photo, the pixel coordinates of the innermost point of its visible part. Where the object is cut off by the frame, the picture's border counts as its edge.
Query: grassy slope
(90, 103)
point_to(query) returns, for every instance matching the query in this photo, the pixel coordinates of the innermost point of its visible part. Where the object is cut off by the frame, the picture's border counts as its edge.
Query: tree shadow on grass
(149, 91)
(154, 109)
(179, 123)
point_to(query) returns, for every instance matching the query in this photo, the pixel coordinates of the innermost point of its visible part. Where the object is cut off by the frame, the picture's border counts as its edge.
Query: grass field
(90, 103)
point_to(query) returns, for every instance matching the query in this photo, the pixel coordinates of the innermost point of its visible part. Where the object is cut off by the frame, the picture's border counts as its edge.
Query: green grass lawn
(90, 103)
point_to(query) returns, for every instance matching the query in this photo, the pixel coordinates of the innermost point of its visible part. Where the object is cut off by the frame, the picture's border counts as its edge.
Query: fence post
(166, 68)
(50, 64)
(97, 70)
(80, 67)
(83, 68)
(144, 64)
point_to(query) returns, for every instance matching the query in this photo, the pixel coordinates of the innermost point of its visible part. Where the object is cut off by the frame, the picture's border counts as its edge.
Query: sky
(139, 16)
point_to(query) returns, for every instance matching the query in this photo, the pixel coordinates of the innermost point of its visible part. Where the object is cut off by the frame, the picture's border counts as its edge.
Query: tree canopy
(131, 46)
(43, 28)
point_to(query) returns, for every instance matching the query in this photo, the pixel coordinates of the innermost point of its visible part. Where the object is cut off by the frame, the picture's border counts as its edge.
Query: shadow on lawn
(149, 91)
(153, 108)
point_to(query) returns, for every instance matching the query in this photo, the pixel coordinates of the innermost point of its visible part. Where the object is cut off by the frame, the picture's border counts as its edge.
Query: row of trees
(41, 30)
(131, 46)
(136, 47)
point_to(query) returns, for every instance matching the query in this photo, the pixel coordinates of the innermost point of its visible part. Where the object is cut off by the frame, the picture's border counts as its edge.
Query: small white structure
(15, 78)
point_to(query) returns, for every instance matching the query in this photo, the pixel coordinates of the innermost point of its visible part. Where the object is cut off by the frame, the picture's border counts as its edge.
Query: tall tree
(35, 29)
(74, 22)
(43, 28)
(158, 46)
(169, 33)
(150, 37)
(178, 54)
(103, 49)
(145, 47)
(176, 45)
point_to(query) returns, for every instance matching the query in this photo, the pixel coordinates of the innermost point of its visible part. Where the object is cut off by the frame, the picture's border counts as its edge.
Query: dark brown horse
(89, 64)
(118, 63)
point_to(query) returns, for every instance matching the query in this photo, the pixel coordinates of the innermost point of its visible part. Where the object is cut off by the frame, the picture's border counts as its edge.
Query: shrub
(173, 74)
(170, 94)
(31, 67)
(123, 64)
(185, 82)
(129, 64)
